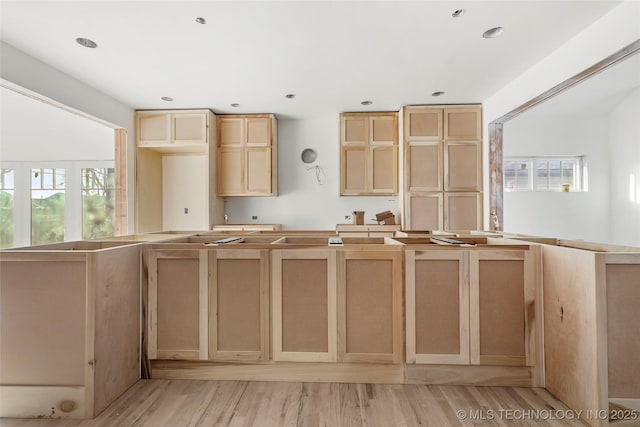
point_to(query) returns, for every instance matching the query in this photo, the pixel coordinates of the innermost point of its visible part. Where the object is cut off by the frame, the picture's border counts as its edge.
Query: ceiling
(331, 54)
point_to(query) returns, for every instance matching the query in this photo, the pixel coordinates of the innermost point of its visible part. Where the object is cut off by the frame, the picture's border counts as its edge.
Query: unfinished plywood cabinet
(368, 154)
(304, 305)
(247, 155)
(69, 328)
(175, 171)
(462, 211)
(370, 306)
(442, 148)
(178, 298)
(239, 305)
(437, 294)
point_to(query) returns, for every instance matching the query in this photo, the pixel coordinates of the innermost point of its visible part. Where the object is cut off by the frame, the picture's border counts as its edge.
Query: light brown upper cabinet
(247, 155)
(175, 171)
(368, 154)
(442, 153)
(166, 128)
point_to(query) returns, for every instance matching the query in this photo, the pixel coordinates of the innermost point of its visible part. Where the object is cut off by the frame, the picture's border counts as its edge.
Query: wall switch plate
(186, 210)
(348, 218)
(254, 217)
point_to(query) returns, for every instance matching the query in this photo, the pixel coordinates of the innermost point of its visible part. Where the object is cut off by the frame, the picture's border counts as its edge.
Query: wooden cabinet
(370, 304)
(442, 153)
(239, 305)
(175, 171)
(437, 294)
(304, 305)
(502, 298)
(473, 306)
(247, 155)
(462, 211)
(166, 128)
(368, 154)
(337, 305)
(177, 320)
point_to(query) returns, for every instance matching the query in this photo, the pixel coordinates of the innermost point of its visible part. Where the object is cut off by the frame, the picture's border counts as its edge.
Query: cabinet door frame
(243, 254)
(463, 358)
(448, 170)
(452, 194)
(439, 165)
(397, 302)
(345, 117)
(141, 116)
(529, 290)
(204, 118)
(410, 218)
(478, 124)
(277, 256)
(240, 122)
(343, 170)
(409, 111)
(371, 169)
(247, 170)
(203, 305)
(221, 191)
(247, 122)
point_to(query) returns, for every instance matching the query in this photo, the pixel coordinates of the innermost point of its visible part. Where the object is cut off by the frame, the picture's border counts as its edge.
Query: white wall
(302, 202)
(625, 168)
(31, 130)
(615, 30)
(574, 215)
(30, 73)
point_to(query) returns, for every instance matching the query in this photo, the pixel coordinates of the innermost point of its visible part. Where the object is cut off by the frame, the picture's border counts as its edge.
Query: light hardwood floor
(177, 403)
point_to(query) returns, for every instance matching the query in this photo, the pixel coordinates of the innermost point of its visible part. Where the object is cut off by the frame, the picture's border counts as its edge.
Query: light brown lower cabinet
(334, 305)
(475, 306)
(178, 302)
(208, 304)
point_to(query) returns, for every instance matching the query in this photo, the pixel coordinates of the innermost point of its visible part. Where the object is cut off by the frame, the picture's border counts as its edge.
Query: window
(98, 202)
(545, 174)
(6, 207)
(47, 205)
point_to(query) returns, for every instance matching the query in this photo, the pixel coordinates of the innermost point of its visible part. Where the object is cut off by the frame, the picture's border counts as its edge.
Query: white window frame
(580, 174)
(73, 196)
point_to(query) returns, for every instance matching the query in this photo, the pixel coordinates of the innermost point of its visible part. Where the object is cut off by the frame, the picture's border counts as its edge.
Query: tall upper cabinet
(442, 167)
(175, 171)
(247, 155)
(368, 154)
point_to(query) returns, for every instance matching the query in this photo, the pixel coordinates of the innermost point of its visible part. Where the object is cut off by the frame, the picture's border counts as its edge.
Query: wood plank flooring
(177, 403)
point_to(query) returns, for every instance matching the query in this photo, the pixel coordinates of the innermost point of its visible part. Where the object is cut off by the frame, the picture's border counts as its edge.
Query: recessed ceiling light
(235, 105)
(366, 102)
(290, 95)
(439, 93)
(167, 98)
(494, 32)
(458, 13)
(201, 20)
(86, 43)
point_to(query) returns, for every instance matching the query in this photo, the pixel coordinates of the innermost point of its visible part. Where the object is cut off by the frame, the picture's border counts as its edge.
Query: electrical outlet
(348, 218)
(186, 210)
(254, 217)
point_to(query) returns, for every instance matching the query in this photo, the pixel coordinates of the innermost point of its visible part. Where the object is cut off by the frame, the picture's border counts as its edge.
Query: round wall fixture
(308, 155)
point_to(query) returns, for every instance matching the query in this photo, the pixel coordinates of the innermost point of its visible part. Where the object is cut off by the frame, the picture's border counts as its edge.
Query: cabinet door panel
(462, 211)
(463, 166)
(230, 171)
(190, 128)
(231, 132)
(383, 130)
(258, 167)
(354, 170)
(178, 306)
(423, 124)
(425, 212)
(304, 306)
(355, 130)
(239, 319)
(425, 167)
(463, 123)
(437, 307)
(384, 170)
(498, 299)
(259, 131)
(154, 129)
